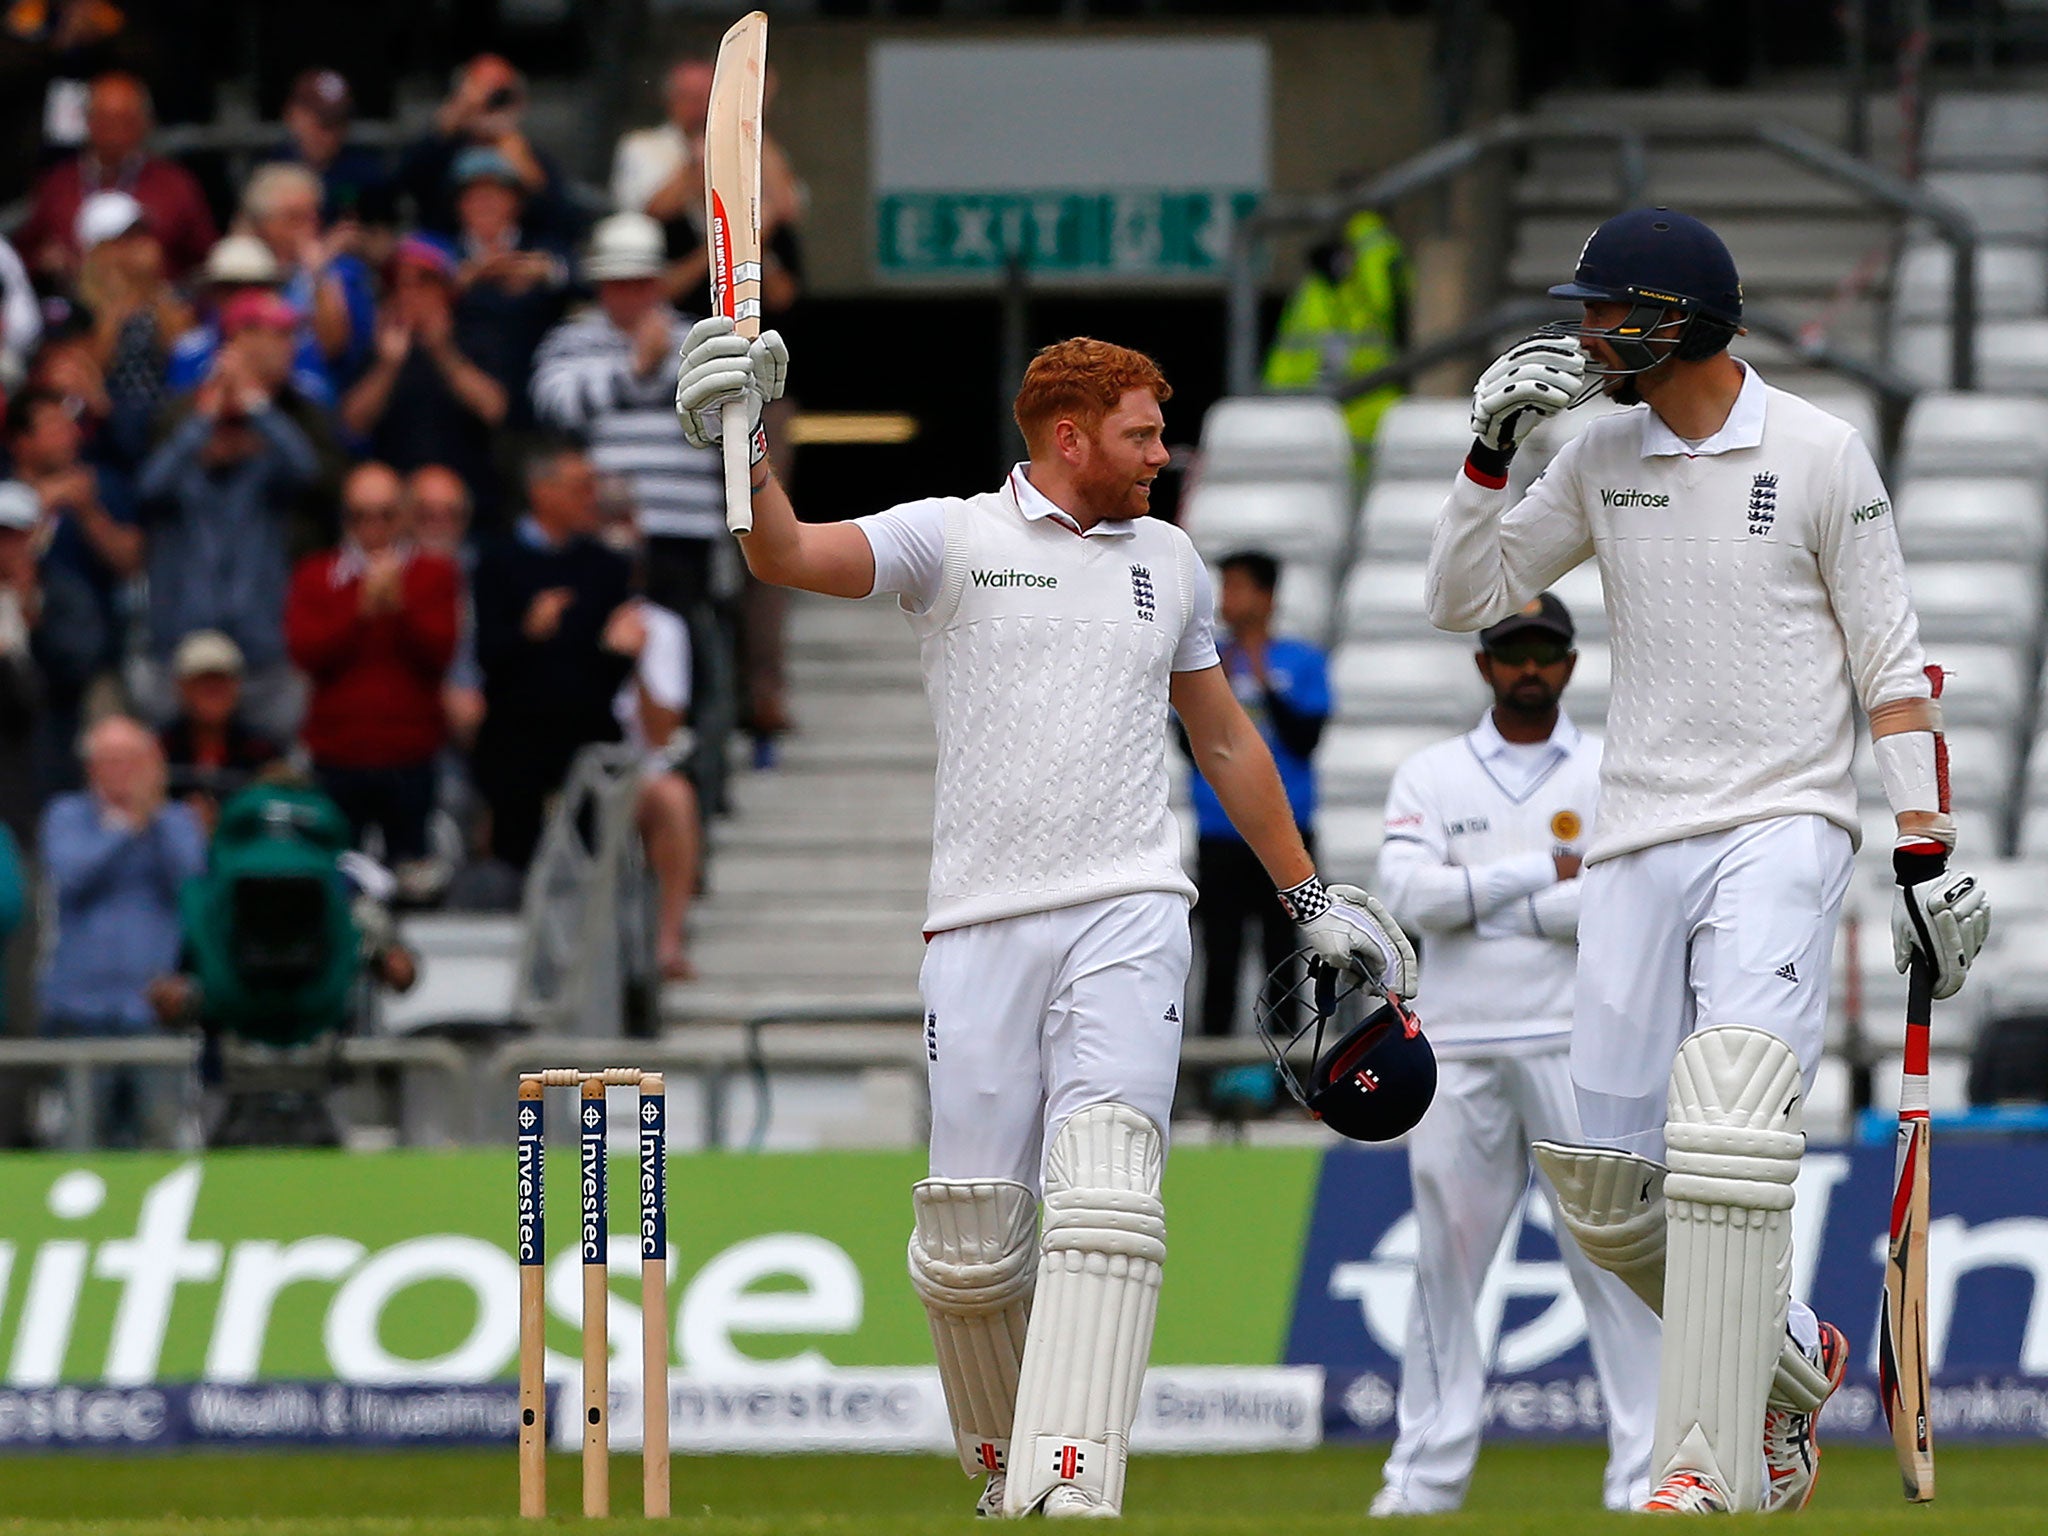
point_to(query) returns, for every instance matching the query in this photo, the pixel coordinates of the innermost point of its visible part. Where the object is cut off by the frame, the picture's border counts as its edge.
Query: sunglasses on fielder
(1524, 649)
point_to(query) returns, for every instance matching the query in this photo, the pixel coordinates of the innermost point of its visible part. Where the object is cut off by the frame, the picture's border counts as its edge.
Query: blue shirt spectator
(115, 855)
(355, 181)
(1283, 684)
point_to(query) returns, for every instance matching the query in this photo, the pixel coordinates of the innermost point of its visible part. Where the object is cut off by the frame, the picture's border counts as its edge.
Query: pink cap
(257, 306)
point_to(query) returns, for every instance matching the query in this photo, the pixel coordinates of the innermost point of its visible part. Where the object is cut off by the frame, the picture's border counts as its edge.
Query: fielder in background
(1057, 621)
(1284, 685)
(1753, 574)
(1484, 838)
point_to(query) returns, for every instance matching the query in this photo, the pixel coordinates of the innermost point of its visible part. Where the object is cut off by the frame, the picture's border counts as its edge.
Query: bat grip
(1919, 1011)
(739, 490)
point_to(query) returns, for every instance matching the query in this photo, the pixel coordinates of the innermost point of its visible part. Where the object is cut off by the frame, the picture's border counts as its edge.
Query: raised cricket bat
(1902, 1330)
(732, 221)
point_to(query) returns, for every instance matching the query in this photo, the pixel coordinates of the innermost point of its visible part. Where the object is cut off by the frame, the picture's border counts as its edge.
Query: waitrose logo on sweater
(1012, 579)
(1632, 497)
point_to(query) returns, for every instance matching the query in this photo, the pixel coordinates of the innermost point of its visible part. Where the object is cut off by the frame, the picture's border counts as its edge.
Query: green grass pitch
(1519, 1491)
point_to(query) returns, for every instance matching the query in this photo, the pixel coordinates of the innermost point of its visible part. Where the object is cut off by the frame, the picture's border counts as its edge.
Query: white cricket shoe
(1389, 1502)
(1687, 1493)
(1791, 1449)
(1065, 1503)
(990, 1505)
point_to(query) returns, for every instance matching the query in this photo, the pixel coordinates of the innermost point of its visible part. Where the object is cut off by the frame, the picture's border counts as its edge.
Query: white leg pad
(1098, 1294)
(1733, 1141)
(1613, 1206)
(972, 1263)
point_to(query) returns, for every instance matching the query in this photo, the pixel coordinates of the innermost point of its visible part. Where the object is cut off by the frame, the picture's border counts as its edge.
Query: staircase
(818, 876)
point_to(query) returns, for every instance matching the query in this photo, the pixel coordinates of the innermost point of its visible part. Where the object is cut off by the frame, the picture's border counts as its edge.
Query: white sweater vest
(1047, 660)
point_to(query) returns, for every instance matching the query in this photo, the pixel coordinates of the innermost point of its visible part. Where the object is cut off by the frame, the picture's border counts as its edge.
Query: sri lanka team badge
(1566, 826)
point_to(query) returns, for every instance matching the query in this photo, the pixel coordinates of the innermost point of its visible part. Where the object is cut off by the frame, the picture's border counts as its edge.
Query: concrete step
(715, 921)
(1713, 183)
(809, 750)
(851, 711)
(1821, 112)
(790, 955)
(826, 871)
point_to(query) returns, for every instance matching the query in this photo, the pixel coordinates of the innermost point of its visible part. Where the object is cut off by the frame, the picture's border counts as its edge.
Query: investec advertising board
(295, 1298)
(1085, 162)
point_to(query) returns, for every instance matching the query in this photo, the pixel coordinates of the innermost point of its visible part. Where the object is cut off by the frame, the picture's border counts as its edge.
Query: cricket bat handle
(739, 488)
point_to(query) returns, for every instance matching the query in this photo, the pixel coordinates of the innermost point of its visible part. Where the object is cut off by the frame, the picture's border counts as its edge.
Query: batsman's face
(1605, 315)
(1123, 456)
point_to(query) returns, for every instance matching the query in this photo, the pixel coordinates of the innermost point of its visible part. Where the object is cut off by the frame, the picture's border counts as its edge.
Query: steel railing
(1441, 163)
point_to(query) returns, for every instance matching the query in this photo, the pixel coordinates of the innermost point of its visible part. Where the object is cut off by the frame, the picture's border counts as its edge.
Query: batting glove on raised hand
(1350, 931)
(719, 368)
(1942, 913)
(1531, 380)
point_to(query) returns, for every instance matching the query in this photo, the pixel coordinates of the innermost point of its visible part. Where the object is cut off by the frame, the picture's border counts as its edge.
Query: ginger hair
(1081, 380)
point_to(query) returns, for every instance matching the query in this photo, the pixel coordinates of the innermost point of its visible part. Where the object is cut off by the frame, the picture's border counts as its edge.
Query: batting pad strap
(973, 1264)
(1098, 1296)
(1734, 1141)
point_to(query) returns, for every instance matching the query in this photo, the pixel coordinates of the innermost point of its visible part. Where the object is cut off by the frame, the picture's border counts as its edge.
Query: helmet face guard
(1644, 337)
(1350, 1053)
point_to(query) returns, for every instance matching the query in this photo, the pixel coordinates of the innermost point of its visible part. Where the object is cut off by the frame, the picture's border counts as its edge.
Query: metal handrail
(1441, 162)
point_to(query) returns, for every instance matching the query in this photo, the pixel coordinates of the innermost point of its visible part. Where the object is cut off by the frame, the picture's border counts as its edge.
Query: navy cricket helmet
(1351, 1054)
(1656, 260)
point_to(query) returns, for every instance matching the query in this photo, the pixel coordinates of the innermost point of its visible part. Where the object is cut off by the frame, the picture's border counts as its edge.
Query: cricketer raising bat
(732, 221)
(1902, 1330)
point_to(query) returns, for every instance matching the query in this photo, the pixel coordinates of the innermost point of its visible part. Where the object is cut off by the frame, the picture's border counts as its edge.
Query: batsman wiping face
(1057, 623)
(1757, 594)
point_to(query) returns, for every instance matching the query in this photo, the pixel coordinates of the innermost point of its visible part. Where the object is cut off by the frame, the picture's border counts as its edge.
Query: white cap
(204, 652)
(626, 245)
(20, 507)
(105, 216)
(239, 259)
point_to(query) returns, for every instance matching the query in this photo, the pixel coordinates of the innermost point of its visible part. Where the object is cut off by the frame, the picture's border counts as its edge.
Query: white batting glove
(1350, 931)
(719, 368)
(1942, 913)
(1531, 380)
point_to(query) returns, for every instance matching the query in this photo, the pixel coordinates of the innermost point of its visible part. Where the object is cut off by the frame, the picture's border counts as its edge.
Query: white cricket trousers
(1469, 1165)
(1030, 1018)
(1734, 927)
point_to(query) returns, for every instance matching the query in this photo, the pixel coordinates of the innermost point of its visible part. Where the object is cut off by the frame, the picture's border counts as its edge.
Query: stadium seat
(2004, 204)
(1356, 763)
(1974, 518)
(1348, 839)
(1398, 517)
(1987, 685)
(1983, 130)
(1297, 522)
(1276, 437)
(1974, 434)
(1383, 601)
(1407, 682)
(1422, 439)
(1961, 601)
(1856, 407)
(2012, 280)
(2012, 354)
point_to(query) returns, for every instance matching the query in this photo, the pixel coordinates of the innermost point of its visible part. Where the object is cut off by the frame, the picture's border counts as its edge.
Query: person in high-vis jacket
(1347, 317)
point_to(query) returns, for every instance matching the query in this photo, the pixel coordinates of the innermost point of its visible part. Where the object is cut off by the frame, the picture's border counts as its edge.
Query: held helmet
(1655, 260)
(1376, 1074)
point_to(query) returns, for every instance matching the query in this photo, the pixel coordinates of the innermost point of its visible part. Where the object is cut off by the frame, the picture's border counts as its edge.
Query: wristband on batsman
(1306, 901)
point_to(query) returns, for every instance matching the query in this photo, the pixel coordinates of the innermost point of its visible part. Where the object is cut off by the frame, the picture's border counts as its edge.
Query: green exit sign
(1128, 233)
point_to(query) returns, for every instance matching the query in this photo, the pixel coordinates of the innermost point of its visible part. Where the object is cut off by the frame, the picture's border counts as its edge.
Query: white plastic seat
(1986, 686)
(1983, 129)
(1975, 518)
(1294, 522)
(1384, 602)
(1355, 763)
(2011, 280)
(1398, 517)
(2012, 354)
(1421, 438)
(2004, 204)
(1413, 682)
(1276, 437)
(1960, 601)
(1304, 602)
(1348, 839)
(1974, 434)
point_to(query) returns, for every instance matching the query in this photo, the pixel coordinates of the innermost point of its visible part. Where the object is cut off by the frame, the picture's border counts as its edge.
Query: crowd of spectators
(375, 473)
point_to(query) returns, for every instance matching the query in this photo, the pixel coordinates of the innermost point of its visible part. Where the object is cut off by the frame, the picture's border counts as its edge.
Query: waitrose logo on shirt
(1012, 579)
(1632, 497)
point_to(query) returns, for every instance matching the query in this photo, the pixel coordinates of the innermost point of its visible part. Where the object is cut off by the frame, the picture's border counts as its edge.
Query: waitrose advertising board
(292, 1298)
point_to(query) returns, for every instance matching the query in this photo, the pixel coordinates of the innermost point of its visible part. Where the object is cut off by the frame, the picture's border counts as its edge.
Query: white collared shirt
(909, 544)
(1756, 592)
(1474, 825)
(1048, 661)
